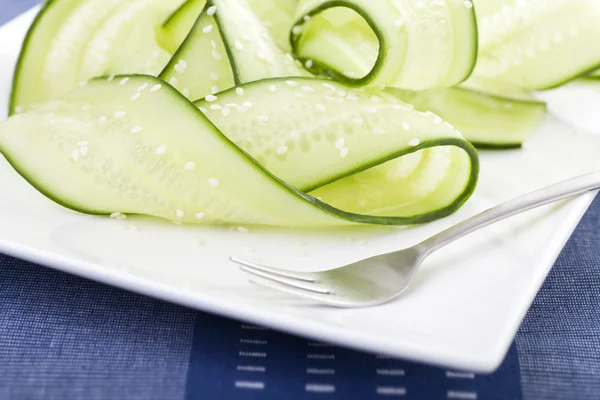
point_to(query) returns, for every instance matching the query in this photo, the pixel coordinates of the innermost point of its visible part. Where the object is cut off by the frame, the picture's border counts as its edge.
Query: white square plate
(462, 311)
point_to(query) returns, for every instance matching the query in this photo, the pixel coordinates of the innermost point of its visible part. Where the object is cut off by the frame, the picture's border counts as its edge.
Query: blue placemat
(63, 337)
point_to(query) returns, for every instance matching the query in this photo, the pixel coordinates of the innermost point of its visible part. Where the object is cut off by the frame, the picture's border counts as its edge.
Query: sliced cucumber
(326, 133)
(108, 148)
(200, 66)
(365, 42)
(278, 17)
(176, 28)
(594, 75)
(72, 41)
(538, 44)
(252, 51)
(485, 119)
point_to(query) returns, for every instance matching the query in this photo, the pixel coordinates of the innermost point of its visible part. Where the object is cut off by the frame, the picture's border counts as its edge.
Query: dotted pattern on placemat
(236, 360)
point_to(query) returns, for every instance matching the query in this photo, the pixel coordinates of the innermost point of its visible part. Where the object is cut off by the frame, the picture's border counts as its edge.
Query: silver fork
(379, 279)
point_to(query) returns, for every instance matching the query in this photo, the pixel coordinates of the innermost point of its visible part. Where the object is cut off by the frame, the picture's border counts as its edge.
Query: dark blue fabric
(235, 360)
(63, 337)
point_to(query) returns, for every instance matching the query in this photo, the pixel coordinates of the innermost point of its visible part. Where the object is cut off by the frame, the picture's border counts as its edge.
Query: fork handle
(560, 191)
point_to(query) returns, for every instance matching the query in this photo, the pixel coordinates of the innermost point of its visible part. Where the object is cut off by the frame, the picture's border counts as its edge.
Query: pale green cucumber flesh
(200, 66)
(176, 28)
(486, 120)
(71, 41)
(397, 34)
(526, 43)
(112, 141)
(252, 51)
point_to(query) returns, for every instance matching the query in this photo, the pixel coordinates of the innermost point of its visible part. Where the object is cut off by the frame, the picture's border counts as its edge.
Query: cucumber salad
(284, 112)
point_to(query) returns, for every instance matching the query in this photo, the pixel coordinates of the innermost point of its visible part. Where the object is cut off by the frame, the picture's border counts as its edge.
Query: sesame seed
(202, 109)
(216, 55)
(83, 83)
(232, 105)
(296, 29)
(185, 92)
(405, 126)
(263, 118)
(210, 98)
(179, 68)
(177, 222)
(399, 22)
(200, 215)
(189, 166)
(75, 154)
(308, 89)
(247, 104)
(340, 143)
(119, 114)
(213, 76)
(211, 10)
(207, 28)
(216, 107)
(155, 88)
(272, 88)
(371, 110)
(213, 44)
(83, 151)
(260, 55)
(282, 150)
(102, 120)
(173, 81)
(414, 142)
(142, 87)
(214, 182)
(378, 131)
(468, 4)
(242, 109)
(362, 203)
(291, 83)
(179, 212)
(247, 37)
(320, 107)
(376, 99)
(214, 89)
(136, 129)
(118, 215)
(161, 150)
(358, 121)
(123, 81)
(308, 63)
(239, 45)
(242, 229)
(135, 96)
(344, 152)
(239, 91)
(226, 111)
(299, 95)
(183, 63)
(111, 78)
(83, 108)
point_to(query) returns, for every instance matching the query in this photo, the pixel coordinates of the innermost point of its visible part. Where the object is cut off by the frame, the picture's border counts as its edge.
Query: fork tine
(289, 282)
(274, 271)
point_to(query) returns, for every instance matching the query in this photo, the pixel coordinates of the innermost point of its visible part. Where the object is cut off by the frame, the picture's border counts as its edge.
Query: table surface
(64, 337)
